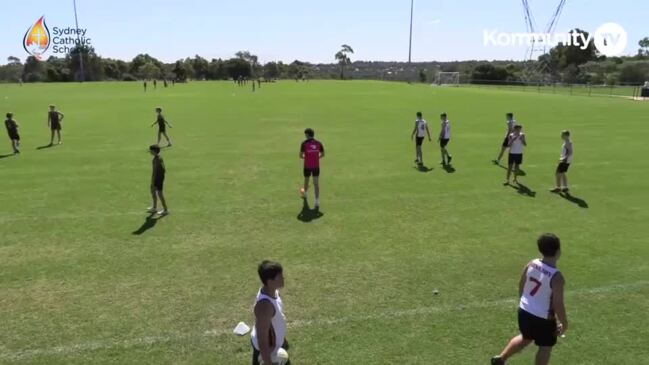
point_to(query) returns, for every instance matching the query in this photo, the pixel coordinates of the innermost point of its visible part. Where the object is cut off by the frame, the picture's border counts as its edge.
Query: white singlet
(421, 127)
(278, 322)
(564, 151)
(517, 145)
(537, 292)
(446, 129)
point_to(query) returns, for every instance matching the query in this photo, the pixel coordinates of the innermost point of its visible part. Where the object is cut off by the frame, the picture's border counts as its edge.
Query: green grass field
(78, 287)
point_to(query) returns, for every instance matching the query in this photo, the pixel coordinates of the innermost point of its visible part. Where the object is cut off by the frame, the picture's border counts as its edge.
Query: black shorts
(14, 136)
(563, 167)
(56, 127)
(515, 158)
(419, 141)
(255, 353)
(312, 172)
(158, 184)
(506, 142)
(542, 331)
(162, 129)
(443, 142)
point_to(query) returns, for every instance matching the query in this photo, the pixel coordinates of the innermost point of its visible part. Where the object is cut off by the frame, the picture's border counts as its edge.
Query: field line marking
(426, 310)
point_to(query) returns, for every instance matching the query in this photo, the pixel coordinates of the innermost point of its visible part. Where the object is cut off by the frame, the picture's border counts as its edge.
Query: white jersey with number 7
(537, 292)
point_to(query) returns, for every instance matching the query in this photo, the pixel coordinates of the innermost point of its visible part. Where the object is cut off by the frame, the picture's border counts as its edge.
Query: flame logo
(37, 38)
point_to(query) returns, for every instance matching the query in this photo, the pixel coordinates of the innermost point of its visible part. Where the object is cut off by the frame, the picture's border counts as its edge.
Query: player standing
(564, 164)
(269, 332)
(311, 151)
(162, 126)
(541, 303)
(12, 131)
(511, 123)
(444, 138)
(54, 120)
(517, 143)
(421, 130)
(157, 181)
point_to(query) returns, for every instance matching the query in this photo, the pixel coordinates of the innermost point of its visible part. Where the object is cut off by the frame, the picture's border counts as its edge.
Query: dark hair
(154, 148)
(309, 132)
(443, 115)
(518, 126)
(565, 133)
(269, 270)
(419, 114)
(158, 109)
(510, 115)
(549, 244)
(9, 115)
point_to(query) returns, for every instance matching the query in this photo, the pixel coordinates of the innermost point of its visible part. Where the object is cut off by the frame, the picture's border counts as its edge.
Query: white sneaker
(162, 213)
(152, 210)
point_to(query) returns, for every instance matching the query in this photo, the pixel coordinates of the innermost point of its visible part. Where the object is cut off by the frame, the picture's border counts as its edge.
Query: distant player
(157, 182)
(144, 83)
(162, 126)
(511, 123)
(444, 138)
(564, 163)
(540, 290)
(517, 143)
(54, 121)
(155, 84)
(269, 332)
(421, 130)
(12, 131)
(311, 151)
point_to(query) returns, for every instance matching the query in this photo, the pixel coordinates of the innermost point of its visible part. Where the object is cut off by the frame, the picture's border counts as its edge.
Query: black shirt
(54, 117)
(11, 126)
(158, 168)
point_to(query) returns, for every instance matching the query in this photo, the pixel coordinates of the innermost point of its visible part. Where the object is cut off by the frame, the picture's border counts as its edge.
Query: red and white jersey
(312, 148)
(278, 323)
(537, 292)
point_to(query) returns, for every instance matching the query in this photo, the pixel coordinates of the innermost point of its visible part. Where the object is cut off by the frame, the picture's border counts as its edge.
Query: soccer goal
(447, 79)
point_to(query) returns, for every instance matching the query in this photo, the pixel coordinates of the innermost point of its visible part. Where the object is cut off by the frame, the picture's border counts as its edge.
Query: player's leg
(167, 138)
(316, 189)
(58, 135)
(52, 137)
(500, 155)
(161, 196)
(514, 346)
(305, 186)
(159, 136)
(517, 170)
(543, 355)
(564, 178)
(510, 166)
(154, 198)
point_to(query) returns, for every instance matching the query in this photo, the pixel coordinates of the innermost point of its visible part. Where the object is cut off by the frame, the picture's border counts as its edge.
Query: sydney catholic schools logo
(37, 39)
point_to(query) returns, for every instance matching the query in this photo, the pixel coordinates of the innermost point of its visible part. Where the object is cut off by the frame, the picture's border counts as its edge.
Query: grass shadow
(581, 203)
(449, 168)
(524, 190)
(519, 173)
(45, 146)
(423, 168)
(149, 223)
(7, 155)
(307, 214)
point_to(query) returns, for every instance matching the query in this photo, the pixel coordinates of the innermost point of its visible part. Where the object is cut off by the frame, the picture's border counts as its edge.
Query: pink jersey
(312, 149)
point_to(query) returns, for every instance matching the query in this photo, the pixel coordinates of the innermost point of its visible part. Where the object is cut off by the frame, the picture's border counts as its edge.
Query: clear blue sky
(308, 30)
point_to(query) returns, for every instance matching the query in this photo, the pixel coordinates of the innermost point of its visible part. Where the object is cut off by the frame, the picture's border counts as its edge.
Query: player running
(517, 143)
(12, 131)
(311, 151)
(444, 138)
(157, 182)
(54, 120)
(269, 332)
(511, 123)
(564, 164)
(421, 130)
(162, 126)
(540, 290)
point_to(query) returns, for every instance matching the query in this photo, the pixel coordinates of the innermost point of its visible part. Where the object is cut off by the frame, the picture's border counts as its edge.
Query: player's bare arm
(523, 139)
(523, 280)
(61, 116)
(414, 131)
(558, 305)
(428, 133)
(264, 312)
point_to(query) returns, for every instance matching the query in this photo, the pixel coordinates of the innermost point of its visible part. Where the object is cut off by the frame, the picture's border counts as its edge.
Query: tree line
(563, 64)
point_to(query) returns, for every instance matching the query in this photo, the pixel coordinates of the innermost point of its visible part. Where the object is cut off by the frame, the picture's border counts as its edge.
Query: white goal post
(447, 79)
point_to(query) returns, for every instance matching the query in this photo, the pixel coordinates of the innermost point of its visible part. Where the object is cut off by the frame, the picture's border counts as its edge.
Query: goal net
(447, 79)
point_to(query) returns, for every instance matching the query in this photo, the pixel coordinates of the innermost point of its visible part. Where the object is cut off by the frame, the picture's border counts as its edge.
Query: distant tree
(179, 71)
(271, 70)
(149, 71)
(216, 70)
(644, 47)
(252, 59)
(34, 70)
(237, 67)
(635, 72)
(486, 72)
(142, 59)
(13, 60)
(12, 71)
(200, 67)
(422, 76)
(562, 56)
(57, 70)
(343, 59)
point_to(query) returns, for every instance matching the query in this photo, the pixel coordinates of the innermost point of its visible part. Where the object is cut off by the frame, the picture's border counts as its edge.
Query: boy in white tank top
(269, 332)
(541, 304)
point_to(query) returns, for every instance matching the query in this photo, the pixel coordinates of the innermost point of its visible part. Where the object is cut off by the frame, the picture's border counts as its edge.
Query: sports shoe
(565, 190)
(152, 210)
(164, 212)
(555, 190)
(496, 360)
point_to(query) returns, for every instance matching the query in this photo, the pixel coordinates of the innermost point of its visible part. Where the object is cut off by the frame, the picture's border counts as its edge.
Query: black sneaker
(496, 360)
